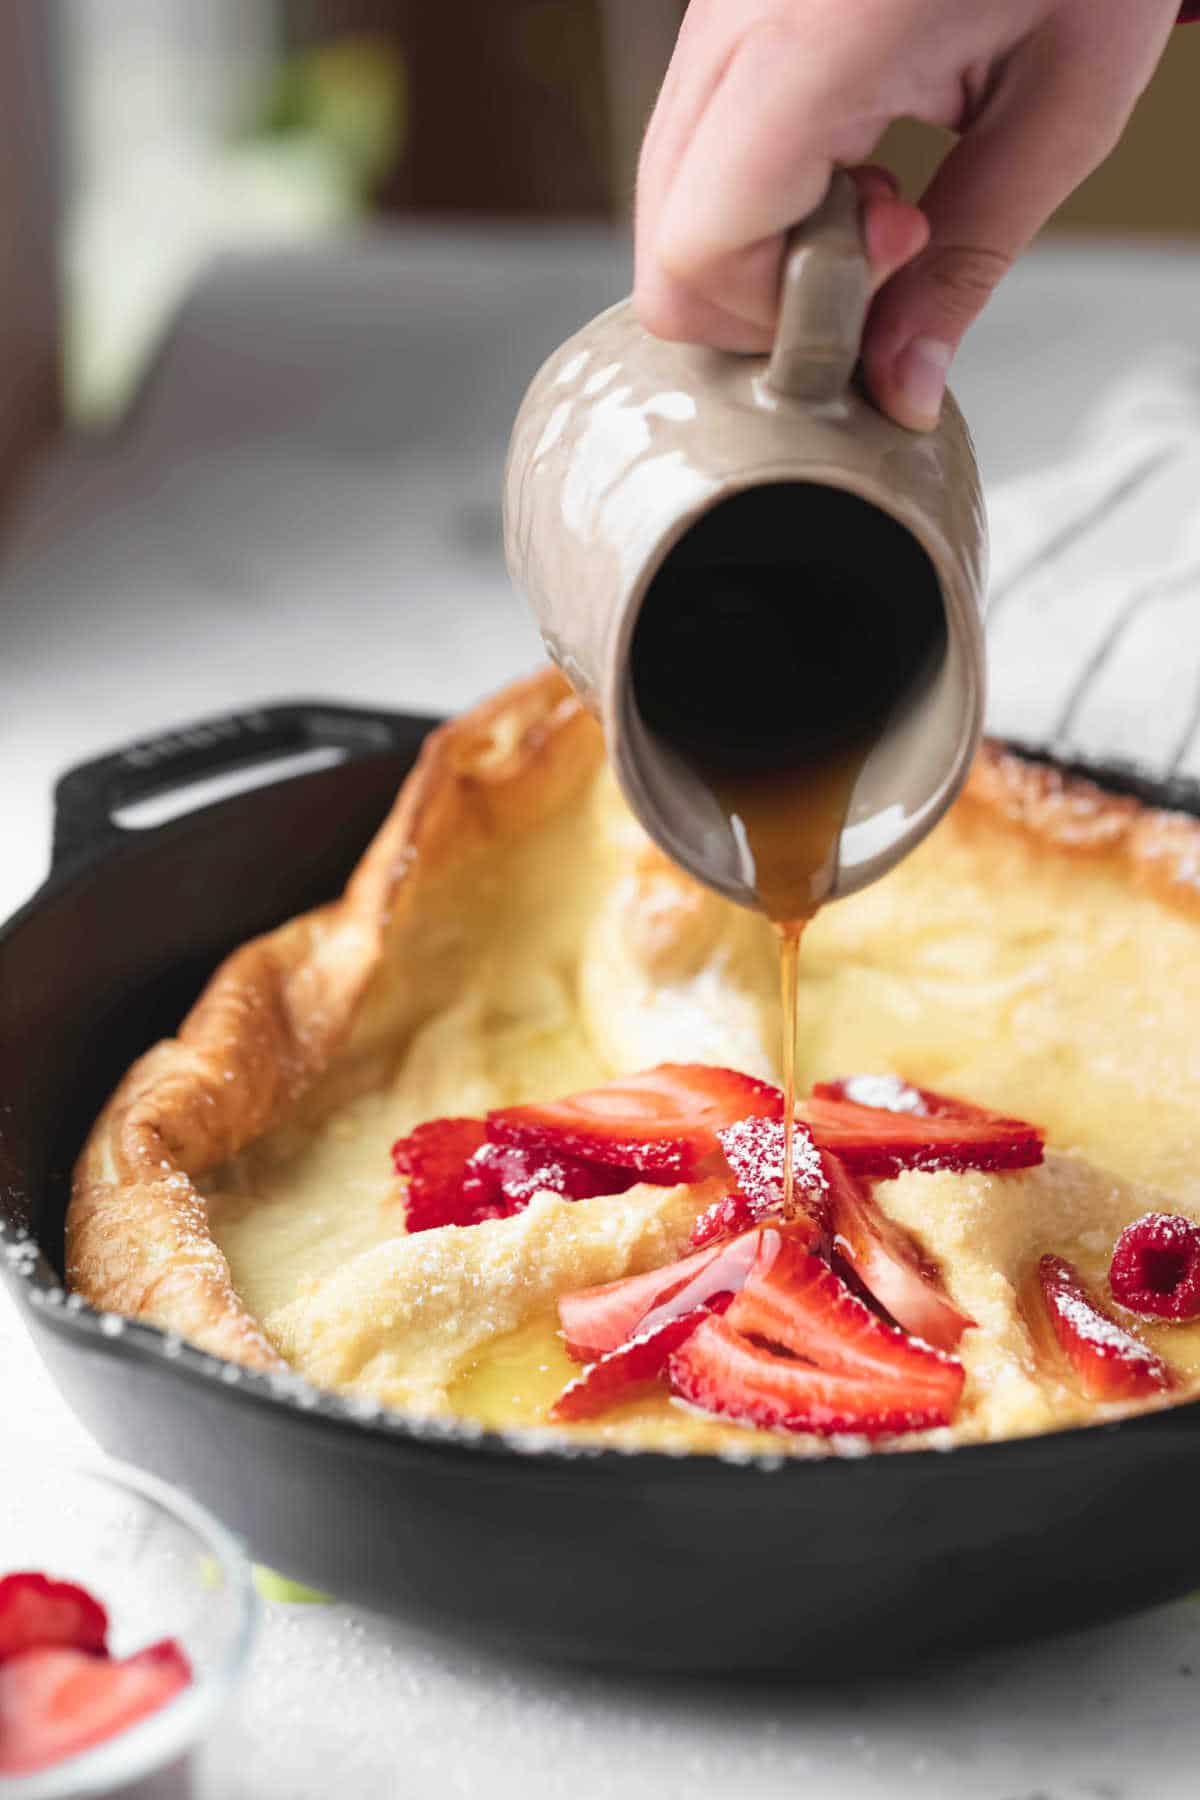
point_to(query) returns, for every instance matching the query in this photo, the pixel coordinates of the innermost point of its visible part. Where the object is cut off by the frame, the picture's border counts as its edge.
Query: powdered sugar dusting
(754, 1148)
(885, 1092)
(1105, 1334)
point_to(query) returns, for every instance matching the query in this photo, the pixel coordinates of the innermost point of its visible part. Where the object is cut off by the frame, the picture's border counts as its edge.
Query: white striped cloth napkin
(1094, 600)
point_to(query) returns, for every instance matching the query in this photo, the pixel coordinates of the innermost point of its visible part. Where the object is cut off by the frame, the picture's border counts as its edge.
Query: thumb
(1044, 127)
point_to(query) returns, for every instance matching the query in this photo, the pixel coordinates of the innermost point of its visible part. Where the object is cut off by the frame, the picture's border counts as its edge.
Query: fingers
(893, 232)
(1047, 124)
(734, 157)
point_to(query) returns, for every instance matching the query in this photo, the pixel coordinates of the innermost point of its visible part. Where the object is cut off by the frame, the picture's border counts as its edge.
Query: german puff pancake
(511, 935)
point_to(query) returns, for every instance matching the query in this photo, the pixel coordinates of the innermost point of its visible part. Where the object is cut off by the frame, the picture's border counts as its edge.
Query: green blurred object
(273, 1586)
(351, 96)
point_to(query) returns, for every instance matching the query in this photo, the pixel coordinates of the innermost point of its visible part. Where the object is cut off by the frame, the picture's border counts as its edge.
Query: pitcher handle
(824, 294)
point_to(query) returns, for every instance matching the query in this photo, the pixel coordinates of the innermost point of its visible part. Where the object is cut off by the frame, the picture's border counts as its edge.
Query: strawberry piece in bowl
(888, 1263)
(1155, 1267)
(1108, 1362)
(57, 1700)
(37, 1612)
(905, 1127)
(663, 1123)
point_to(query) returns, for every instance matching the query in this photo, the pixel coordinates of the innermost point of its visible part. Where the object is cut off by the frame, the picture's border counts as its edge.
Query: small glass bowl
(162, 1567)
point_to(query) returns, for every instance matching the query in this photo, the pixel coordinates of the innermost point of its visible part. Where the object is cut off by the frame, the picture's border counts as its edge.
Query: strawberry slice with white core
(56, 1701)
(36, 1611)
(613, 1376)
(1109, 1363)
(793, 1300)
(721, 1371)
(662, 1122)
(907, 1127)
(599, 1319)
(888, 1263)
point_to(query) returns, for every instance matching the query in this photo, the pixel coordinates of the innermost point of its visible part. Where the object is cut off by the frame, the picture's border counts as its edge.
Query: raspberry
(1155, 1267)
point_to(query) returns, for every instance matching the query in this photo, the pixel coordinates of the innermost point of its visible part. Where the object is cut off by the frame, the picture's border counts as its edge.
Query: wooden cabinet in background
(29, 163)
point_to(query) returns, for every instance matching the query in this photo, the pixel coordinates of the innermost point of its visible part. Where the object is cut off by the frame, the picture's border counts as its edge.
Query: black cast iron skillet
(651, 1561)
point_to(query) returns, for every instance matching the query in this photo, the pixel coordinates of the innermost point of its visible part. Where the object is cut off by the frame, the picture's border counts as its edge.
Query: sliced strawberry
(723, 1372)
(57, 1701)
(1109, 1362)
(1155, 1267)
(890, 1135)
(36, 1611)
(599, 1319)
(612, 1376)
(794, 1300)
(754, 1150)
(888, 1263)
(663, 1122)
(727, 1217)
(455, 1177)
(434, 1158)
(504, 1177)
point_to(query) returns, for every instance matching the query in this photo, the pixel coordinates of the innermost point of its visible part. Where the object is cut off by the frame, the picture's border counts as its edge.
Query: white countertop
(305, 504)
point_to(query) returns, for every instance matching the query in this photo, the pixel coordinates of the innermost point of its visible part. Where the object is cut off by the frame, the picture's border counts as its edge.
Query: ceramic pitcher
(630, 453)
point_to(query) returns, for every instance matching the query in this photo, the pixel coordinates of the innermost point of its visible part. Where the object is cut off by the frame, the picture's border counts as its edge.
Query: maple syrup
(775, 644)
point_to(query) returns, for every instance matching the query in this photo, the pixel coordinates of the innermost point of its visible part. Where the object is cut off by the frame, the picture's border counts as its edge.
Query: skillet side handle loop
(87, 797)
(823, 300)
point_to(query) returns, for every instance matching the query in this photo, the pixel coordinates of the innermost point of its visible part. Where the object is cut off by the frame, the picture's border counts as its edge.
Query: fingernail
(920, 375)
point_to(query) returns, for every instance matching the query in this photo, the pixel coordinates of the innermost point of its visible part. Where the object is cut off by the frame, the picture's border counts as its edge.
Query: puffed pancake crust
(511, 934)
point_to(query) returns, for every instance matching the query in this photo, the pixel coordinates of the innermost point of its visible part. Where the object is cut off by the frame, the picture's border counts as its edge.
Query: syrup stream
(789, 952)
(790, 821)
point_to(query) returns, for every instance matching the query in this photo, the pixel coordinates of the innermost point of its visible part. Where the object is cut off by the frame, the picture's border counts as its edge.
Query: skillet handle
(88, 797)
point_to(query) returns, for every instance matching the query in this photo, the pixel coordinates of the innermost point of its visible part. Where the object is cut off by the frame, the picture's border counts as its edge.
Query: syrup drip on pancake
(789, 822)
(773, 647)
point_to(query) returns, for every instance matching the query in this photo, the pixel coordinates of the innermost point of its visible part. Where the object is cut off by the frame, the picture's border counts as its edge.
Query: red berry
(880, 1126)
(724, 1218)
(598, 1319)
(455, 1177)
(663, 1122)
(36, 1611)
(611, 1377)
(56, 1701)
(1156, 1267)
(501, 1179)
(754, 1151)
(888, 1262)
(434, 1158)
(721, 1371)
(1109, 1362)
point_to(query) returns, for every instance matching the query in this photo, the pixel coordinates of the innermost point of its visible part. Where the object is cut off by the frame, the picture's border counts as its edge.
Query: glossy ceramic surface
(624, 442)
(647, 1561)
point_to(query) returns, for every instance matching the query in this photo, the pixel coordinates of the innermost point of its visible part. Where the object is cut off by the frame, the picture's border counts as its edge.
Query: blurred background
(146, 136)
(274, 274)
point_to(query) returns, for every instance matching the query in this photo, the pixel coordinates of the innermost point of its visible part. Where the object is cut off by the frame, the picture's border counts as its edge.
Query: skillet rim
(39, 1290)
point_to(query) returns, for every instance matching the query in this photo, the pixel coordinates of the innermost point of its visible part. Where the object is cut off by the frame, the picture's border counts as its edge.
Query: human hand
(764, 97)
